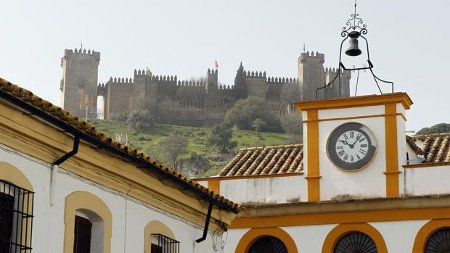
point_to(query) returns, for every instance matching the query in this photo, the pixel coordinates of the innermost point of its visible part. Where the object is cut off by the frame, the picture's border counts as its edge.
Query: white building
(357, 184)
(65, 187)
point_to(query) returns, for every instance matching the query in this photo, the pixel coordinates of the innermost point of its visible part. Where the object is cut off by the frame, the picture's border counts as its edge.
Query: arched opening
(256, 237)
(268, 244)
(159, 238)
(439, 241)
(88, 220)
(433, 237)
(355, 242)
(16, 210)
(101, 107)
(354, 238)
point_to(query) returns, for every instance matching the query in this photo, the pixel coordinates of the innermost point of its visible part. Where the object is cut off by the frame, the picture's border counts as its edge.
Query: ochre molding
(343, 229)
(392, 177)
(81, 200)
(214, 185)
(360, 101)
(358, 117)
(313, 166)
(337, 217)
(32, 137)
(254, 234)
(155, 227)
(426, 165)
(10, 173)
(426, 232)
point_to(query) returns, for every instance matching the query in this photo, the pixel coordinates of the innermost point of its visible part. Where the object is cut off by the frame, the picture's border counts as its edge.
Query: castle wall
(195, 103)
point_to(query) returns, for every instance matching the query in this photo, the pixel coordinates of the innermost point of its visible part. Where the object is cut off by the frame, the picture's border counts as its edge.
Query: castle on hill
(189, 102)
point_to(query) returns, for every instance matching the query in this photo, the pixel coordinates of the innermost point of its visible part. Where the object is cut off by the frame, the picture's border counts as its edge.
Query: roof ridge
(296, 145)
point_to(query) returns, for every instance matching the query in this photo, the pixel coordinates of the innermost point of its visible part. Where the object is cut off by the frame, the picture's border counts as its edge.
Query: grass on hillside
(147, 141)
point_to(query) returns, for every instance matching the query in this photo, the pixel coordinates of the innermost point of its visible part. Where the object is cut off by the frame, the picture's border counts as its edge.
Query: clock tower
(354, 147)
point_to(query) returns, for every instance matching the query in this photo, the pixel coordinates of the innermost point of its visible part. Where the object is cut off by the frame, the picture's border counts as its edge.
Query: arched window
(355, 242)
(268, 244)
(16, 218)
(439, 241)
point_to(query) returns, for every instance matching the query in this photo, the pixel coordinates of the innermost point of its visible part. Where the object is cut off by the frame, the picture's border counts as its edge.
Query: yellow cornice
(369, 100)
(37, 139)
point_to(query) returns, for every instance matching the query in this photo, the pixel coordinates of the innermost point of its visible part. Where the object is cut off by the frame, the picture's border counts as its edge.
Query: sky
(409, 41)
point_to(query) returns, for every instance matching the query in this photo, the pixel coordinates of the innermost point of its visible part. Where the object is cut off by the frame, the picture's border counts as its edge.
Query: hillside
(148, 141)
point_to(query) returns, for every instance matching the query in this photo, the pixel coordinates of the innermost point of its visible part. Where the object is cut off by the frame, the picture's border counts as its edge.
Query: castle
(190, 102)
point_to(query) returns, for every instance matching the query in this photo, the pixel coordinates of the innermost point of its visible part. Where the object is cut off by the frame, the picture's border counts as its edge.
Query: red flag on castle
(216, 64)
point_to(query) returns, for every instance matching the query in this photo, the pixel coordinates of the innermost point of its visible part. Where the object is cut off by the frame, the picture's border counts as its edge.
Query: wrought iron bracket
(208, 219)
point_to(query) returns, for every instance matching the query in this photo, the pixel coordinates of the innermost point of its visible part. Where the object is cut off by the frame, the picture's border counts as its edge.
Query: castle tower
(79, 82)
(311, 75)
(212, 81)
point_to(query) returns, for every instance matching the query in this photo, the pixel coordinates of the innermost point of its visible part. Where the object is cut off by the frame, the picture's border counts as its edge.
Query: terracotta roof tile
(59, 114)
(268, 160)
(435, 148)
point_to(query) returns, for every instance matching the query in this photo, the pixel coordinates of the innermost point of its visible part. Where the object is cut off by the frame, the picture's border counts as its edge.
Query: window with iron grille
(164, 244)
(16, 218)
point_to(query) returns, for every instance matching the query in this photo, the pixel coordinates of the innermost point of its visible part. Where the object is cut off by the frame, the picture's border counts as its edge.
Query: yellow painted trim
(399, 97)
(31, 136)
(80, 200)
(426, 232)
(214, 185)
(358, 117)
(316, 218)
(254, 234)
(343, 229)
(10, 173)
(313, 169)
(425, 165)
(155, 227)
(392, 175)
(249, 177)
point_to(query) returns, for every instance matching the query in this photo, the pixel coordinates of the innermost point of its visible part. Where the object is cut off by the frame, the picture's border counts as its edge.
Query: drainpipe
(55, 167)
(208, 218)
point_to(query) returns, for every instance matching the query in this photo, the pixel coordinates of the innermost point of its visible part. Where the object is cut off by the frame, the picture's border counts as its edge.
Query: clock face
(351, 146)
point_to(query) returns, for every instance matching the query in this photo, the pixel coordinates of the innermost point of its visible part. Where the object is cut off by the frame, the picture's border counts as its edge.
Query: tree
(240, 87)
(221, 138)
(438, 128)
(292, 124)
(173, 147)
(246, 111)
(257, 125)
(140, 120)
(197, 163)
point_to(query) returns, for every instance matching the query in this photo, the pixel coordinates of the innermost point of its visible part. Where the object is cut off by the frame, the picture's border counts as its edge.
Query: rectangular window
(83, 231)
(163, 244)
(16, 218)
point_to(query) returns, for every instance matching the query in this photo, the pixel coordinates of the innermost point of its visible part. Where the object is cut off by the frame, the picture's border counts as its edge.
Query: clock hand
(345, 142)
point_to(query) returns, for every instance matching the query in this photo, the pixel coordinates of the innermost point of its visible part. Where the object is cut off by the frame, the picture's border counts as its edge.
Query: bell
(353, 49)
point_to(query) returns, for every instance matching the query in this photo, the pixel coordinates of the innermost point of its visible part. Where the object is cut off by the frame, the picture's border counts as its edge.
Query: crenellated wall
(203, 101)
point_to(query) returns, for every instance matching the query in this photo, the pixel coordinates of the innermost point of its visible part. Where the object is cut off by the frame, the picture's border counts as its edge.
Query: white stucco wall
(265, 190)
(398, 236)
(335, 182)
(129, 216)
(428, 180)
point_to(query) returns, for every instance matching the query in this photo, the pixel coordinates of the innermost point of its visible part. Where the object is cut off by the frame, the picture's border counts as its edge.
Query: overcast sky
(409, 41)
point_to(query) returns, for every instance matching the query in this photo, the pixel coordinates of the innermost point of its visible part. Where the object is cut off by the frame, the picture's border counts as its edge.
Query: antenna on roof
(304, 48)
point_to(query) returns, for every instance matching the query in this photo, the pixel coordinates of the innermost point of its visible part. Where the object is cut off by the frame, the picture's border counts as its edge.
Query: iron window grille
(164, 244)
(16, 218)
(439, 241)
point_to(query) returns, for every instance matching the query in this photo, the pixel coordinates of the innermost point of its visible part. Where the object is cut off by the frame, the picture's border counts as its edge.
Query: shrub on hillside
(438, 128)
(221, 138)
(244, 113)
(140, 120)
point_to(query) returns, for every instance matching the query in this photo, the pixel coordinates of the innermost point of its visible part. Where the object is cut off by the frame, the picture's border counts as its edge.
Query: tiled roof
(285, 159)
(435, 148)
(270, 160)
(58, 114)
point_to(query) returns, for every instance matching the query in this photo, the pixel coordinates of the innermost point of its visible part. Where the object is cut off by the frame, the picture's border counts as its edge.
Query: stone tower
(311, 75)
(79, 82)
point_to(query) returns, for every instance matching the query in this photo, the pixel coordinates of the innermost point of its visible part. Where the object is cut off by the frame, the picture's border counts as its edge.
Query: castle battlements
(120, 80)
(191, 83)
(281, 80)
(334, 71)
(255, 74)
(82, 52)
(212, 71)
(163, 78)
(308, 56)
